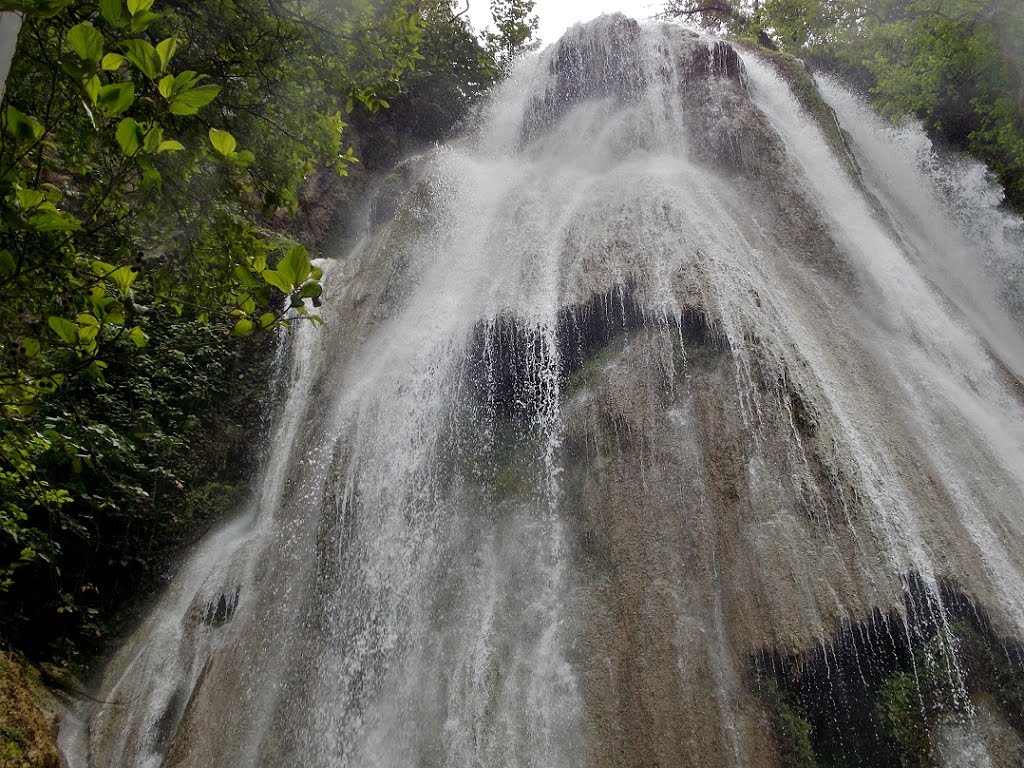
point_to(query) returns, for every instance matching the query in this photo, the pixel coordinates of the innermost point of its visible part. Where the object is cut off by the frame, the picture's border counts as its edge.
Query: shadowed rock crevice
(882, 692)
(514, 366)
(220, 611)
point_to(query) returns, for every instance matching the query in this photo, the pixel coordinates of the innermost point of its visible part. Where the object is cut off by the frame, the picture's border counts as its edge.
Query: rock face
(28, 724)
(635, 439)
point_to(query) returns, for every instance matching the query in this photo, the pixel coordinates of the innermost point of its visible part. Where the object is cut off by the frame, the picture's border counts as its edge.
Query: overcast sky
(558, 15)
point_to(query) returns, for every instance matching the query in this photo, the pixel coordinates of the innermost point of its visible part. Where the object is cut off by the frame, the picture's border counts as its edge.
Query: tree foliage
(958, 65)
(515, 30)
(145, 150)
(454, 73)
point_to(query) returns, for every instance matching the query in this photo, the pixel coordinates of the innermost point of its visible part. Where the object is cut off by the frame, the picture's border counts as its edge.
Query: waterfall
(664, 423)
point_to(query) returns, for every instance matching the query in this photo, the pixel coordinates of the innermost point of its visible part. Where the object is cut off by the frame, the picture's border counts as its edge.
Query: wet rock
(511, 363)
(929, 684)
(220, 611)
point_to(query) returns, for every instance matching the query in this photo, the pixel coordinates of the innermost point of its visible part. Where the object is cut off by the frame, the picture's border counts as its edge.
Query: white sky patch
(556, 16)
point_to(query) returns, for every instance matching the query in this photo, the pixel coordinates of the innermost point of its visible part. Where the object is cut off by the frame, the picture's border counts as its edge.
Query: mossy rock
(584, 375)
(800, 79)
(28, 729)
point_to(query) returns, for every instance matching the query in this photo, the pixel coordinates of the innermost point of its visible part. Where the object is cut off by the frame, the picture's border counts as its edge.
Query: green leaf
(129, 136)
(311, 291)
(113, 12)
(246, 278)
(21, 126)
(8, 266)
(170, 145)
(55, 221)
(65, 329)
(95, 372)
(93, 86)
(29, 198)
(114, 313)
(115, 98)
(86, 41)
(87, 337)
(141, 20)
(295, 266)
(187, 79)
(267, 320)
(31, 346)
(150, 175)
(138, 337)
(86, 319)
(152, 139)
(189, 102)
(273, 278)
(166, 86)
(124, 279)
(101, 268)
(144, 56)
(244, 327)
(112, 61)
(222, 141)
(165, 50)
(134, 6)
(243, 159)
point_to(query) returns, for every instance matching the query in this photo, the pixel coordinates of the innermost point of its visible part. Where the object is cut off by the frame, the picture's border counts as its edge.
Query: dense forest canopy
(957, 65)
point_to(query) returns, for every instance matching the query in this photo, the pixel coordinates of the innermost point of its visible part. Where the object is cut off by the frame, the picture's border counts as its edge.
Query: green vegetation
(26, 730)
(593, 365)
(516, 28)
(957, 65)
(152, 156)
(912, 705)
(455, 72)
(792, 730)
(882, 699)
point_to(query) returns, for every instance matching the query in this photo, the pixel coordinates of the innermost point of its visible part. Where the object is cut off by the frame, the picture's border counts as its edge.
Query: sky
(556, 16)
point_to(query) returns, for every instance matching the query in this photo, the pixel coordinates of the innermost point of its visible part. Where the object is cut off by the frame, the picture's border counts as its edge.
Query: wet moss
(877, 695)
(586, 373)
(27, 730)
(900, 710)
(793, 731)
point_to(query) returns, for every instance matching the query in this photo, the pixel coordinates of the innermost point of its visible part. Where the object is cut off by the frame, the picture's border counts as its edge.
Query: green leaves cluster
(149, 154)
(515, 30)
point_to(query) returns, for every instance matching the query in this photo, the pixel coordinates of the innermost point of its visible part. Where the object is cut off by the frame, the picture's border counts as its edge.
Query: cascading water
(644, 434)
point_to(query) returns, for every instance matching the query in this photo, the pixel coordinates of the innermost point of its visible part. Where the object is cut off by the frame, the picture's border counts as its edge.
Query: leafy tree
(436, 97)
(515, 30)
(456, 70)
